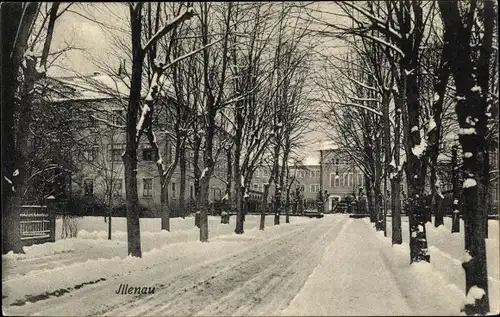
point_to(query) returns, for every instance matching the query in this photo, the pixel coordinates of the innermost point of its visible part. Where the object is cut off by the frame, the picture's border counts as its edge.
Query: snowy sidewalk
(352, 279)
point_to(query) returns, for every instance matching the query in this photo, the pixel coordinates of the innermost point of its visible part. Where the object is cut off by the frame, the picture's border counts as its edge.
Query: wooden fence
(37, 225)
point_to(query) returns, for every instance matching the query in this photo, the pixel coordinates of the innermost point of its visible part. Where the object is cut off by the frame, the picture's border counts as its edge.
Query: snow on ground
(369, 276)
(447, 252)
(329, 266)
(67, 263)
(241, 272)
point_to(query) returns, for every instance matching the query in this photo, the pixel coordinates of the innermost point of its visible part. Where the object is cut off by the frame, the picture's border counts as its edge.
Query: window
(302, 188)
(256, 186)
(117, 117)
(115, 152)
(337, 161)
(117, 187)
(344, 179)
(147, 190)
(360, 179)
(147, 154)
(191, 191)
(300, 174)
(314, 188)
(257, 173)
(173, 190)
(90, 154)
(315, 173)
(92, 122)
(350, 179)
(88, 187)
(335, 180)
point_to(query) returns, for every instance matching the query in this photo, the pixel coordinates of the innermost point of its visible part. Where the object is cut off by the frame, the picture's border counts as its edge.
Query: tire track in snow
(190, 293)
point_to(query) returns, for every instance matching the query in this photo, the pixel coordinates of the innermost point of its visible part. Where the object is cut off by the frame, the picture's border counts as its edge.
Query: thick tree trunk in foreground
(471, 89)
(12, 20)
(130, 157)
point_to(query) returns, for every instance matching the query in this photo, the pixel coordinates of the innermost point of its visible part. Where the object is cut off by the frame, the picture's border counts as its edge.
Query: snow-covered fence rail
(37, 225)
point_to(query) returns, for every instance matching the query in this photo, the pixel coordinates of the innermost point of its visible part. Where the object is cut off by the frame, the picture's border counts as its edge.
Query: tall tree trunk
(208, 164)
(164, 205)
(471, 112)
(238, 177)
(182, 186)
(397, 237)
(14, 45)
(229, 174)
(434, 133)
(277, 188)
(369, 198)
(197, 171)
(416, 167)
(455, 179)
(284, 178)
(130, 157)
(379, 225)
(263, 211)
(387, 150)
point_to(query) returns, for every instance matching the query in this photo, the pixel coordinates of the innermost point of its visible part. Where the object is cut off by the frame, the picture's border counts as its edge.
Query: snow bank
(447, 253)
(67, 277)
(66, 264)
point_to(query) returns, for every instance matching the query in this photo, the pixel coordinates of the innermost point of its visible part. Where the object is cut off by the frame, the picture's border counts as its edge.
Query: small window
(88, 187)
(147, 154)
(302, 188)
(115, 152)
(256, 186)
(117, 117)
(147, 187)
(360, 179)
(191, 191)
(90, 154)
(117, 187)
(173, 190)
(314, 188)
(337, 161)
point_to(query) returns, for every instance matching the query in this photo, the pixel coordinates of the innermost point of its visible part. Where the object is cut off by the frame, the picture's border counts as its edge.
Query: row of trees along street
(408, 84)
(418, 79)
(218, 79)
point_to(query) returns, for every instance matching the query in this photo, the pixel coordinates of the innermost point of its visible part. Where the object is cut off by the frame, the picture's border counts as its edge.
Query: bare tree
(24, 30)
(471, 74)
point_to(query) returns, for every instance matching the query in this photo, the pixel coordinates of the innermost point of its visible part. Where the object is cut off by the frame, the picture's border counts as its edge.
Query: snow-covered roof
(311, 160)
(328, 145)
(96, 86)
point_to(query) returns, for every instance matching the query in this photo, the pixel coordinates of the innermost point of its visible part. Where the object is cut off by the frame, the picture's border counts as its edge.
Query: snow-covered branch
(186, 15)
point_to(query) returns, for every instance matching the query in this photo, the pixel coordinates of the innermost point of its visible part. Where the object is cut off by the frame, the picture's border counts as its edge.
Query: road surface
(257, 277)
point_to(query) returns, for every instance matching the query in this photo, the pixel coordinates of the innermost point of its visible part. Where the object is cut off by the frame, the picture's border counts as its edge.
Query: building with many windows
(334, 173)
(100, 100)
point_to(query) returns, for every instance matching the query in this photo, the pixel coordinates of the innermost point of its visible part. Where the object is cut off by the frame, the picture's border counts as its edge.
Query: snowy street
(330, 266)
(259, 272)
